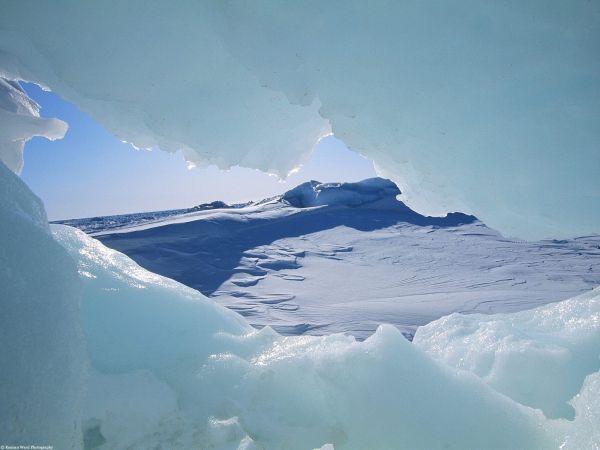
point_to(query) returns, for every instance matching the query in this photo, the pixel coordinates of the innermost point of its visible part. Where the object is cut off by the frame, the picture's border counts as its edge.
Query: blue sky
(92, 173)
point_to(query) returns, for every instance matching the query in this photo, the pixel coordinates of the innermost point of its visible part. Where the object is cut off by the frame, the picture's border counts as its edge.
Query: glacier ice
(486, 108)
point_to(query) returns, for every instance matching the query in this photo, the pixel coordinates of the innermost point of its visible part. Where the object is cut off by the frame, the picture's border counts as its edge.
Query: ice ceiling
(490, 108)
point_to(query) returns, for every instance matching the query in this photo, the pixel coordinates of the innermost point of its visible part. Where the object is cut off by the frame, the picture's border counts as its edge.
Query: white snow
(487, 108)
(358, 259)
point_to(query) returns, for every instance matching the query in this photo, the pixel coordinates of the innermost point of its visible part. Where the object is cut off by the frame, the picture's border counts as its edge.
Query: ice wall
(482, 107)
(42, 352)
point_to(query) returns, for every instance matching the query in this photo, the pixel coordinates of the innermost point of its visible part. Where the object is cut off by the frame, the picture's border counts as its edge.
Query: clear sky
(92, 173)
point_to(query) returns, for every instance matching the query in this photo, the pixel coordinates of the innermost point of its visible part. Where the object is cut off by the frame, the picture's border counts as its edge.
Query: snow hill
(346, 257)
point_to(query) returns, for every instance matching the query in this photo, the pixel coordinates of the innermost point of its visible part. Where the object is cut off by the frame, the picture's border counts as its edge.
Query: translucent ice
(42, 355)
(538, 357)
(486, 108)
(20, 121)
(489, 108)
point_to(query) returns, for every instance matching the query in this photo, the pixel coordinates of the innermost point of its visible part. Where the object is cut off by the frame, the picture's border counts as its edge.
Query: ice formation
(485, 108)
(20, 121)
(539, 358)
(194, 374)
(169, 367)
(42, 354)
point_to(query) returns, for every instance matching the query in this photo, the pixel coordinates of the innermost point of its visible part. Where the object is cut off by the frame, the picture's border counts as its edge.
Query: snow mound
(281, 264)
(487, 108)
(314, 193)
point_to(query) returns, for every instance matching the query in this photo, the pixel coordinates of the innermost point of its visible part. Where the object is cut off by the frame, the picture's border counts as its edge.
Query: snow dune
(329, 257)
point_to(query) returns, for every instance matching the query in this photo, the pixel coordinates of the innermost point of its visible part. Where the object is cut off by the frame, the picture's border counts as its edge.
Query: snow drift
(486, 108)
(326, 258)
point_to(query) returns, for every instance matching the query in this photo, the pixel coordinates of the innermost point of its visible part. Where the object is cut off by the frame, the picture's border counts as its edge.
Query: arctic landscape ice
(451, 303)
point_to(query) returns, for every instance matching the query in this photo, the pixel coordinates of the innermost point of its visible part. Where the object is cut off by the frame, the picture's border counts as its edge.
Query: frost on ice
(486, 108)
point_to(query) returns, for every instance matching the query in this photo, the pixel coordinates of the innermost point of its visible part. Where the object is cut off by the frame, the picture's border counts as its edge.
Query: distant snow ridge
(345, 257)
(314, 193)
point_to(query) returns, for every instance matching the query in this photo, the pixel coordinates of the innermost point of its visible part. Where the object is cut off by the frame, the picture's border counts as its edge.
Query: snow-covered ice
(330, 257)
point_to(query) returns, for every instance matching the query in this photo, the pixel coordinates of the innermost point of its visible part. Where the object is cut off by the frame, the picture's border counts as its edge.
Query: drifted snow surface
(330, 257)
(162, 366)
